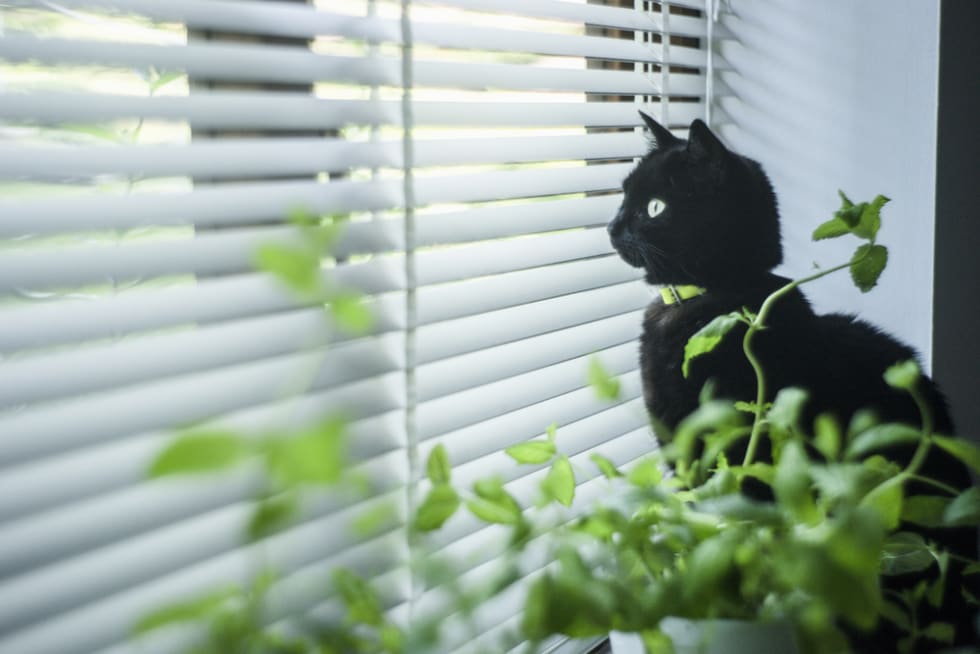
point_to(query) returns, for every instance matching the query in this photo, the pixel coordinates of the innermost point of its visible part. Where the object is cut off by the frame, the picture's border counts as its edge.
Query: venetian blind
(148, 148)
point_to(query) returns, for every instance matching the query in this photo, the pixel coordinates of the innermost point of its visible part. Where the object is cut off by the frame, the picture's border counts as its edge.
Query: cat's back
(854, 356)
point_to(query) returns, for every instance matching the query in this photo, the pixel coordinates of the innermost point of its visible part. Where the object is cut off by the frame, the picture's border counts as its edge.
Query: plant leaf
(886, 499)
(437, 466)
(606, 467)
(849, 213)
(764, 472)
(439, 505)
(188, 611)
(941, 631)
(532, 451)
(296, 267)
(869, 221)
(841, 567)
(270, 515)
(371, 521)
(904, 375)
(896, 614)
(351, 313)
(646, 473)
(867, 264)
(938, 588)
(707, 338)
(792, 480)
(559, 485)
(200, 452)
(786, 409)
(363, 605)
(750, 407)
(493, 503)
(316, 455)
(831, 229)
(828, 437)
(707, 567)
(491, 511)
(605, 385)
(965, 451)
(300, 216)
(925, 510)
(964, 510)
(880, 437)
(905, 552)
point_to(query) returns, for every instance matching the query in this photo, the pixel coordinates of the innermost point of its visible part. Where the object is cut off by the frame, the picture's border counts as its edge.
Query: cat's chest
(666, 331)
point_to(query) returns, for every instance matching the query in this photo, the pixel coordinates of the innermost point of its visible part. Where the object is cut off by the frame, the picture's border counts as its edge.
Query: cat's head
(694, 212)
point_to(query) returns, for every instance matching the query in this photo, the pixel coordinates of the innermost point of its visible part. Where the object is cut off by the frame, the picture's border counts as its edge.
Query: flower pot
(715, 637)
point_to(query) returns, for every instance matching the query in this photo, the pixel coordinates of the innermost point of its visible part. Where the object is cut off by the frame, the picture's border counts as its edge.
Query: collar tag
(677, 294)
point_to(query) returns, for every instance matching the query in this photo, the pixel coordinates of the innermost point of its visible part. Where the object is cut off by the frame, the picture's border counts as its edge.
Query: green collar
(677, 294)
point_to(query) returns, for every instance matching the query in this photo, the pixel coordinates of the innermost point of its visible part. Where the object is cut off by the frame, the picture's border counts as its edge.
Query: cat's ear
(660, 136)
(702, 143)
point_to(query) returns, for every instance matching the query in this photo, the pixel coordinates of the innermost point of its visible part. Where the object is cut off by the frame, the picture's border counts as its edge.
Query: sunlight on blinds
(149, 150)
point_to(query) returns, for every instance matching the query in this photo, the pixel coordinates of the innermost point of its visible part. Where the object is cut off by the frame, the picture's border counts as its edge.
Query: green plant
(292, 463)
(675, 535)
(691, 544)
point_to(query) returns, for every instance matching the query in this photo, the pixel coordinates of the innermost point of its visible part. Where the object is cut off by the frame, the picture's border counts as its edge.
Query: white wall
(842, 94)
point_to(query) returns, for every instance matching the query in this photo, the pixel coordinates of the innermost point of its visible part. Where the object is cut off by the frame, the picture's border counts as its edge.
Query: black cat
(702, 221)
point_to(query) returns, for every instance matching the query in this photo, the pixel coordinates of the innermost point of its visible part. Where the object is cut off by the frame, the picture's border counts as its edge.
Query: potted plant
(677, 557)
(680, 556)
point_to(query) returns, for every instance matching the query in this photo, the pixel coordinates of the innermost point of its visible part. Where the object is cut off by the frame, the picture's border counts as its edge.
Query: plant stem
(919, 457)
(757, 325)
(932, 482)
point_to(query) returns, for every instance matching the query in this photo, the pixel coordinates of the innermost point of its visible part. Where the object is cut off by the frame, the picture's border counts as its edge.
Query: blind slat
(479, 223)
(107, 468)
(206, 206)
(443, 265)
(180, 401)
(54, 323)
(504, 361)
(293, 157)
(128, 363)
(292, 111)
(292, 20)
(289, 65)
(223, 252)
(605, 16)
(486, 294)
(470, 406)
(250, 203)
(454, 337)
(34, 545)
(481, 438)
(307, 22)
(105, 621)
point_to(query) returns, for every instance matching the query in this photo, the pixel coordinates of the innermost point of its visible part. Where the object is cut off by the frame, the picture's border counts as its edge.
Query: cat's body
(837, 358)
(696, 214)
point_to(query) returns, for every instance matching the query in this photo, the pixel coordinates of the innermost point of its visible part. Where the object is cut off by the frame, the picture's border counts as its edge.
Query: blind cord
(411, 306)
(713, 14)
(711, 11)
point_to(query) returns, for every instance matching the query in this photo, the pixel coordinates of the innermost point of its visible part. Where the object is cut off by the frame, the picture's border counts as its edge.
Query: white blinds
(148, 148)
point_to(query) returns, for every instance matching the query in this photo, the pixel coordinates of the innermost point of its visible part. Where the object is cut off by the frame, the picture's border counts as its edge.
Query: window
(475, 147)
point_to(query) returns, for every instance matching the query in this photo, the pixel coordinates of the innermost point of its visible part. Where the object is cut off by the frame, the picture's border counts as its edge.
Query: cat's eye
(656, 207)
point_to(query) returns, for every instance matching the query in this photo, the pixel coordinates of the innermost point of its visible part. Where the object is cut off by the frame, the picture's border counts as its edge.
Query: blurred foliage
(674, 534)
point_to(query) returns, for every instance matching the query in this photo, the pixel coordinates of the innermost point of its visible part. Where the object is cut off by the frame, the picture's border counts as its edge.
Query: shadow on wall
(842, 95)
